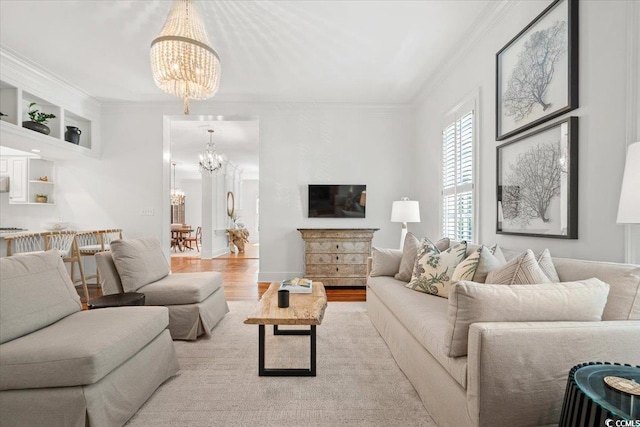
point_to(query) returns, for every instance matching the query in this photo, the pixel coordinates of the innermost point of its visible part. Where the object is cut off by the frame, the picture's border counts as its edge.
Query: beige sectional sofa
(196, 301)
(514, 372)
(61, 366)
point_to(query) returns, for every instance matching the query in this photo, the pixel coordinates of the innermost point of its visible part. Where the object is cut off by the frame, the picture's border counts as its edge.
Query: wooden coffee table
(304, 309)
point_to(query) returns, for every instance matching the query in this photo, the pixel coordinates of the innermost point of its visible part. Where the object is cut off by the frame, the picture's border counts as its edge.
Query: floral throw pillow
(433, 269)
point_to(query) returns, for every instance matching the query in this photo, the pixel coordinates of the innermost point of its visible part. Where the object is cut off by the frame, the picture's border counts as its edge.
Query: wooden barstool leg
(78, 259)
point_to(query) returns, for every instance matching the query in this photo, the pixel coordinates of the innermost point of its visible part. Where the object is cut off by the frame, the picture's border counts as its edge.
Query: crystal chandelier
(177, 196)
(183, 62)
(210, 161)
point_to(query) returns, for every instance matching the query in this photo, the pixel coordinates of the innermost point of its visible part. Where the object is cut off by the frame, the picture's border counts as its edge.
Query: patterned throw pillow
(433, 269)
(488, 261)
(522, 270)
(409, 251)
(467, 269)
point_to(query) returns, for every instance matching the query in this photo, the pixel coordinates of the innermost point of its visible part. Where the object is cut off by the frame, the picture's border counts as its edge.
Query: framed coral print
(537, 71)
(537, 183)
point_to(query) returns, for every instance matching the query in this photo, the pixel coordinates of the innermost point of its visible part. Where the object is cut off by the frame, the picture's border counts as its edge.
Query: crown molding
(487, 20)
(19, 71)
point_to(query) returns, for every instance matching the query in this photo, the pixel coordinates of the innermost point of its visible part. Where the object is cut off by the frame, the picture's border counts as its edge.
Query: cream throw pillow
(139, 262)
(385, 262)
(409, 253)
(546, 264)
(521, 270)
(471, 302)
(433, 270)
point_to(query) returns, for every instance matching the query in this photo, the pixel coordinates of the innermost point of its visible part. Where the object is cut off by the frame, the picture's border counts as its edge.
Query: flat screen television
(337, 201)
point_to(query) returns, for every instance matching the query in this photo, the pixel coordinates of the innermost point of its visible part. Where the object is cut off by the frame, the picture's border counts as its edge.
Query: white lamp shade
(405, 211)
(629, 207)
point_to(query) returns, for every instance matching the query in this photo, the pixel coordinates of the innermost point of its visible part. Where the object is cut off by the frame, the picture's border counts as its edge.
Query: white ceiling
(278, 51)
(236, 140)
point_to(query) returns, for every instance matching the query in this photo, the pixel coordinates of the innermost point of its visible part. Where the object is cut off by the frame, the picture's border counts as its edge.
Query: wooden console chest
(337, 256)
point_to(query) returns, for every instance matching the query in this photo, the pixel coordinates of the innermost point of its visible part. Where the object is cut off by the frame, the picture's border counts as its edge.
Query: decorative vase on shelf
(41, 198)
(72, 135)
(38, 127)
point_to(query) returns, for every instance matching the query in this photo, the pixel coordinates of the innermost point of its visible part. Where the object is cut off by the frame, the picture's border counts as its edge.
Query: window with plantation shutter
(457, 179)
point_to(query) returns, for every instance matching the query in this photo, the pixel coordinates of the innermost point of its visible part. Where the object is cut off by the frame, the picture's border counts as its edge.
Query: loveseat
(62, 366)
(514, 372)
(196, 301)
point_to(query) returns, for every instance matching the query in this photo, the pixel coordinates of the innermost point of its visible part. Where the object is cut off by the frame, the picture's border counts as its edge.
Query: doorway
(204, 197)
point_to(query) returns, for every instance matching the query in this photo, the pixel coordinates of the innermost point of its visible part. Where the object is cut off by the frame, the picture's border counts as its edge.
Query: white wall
(248, 206)
(299, 144)
(193, 201)
(602, 112)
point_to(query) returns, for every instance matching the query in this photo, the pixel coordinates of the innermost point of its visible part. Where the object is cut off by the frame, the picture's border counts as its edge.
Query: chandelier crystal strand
(210, 160)
(183, 62)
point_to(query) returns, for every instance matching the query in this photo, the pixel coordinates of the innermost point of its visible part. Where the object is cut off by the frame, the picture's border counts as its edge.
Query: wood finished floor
(240, 275)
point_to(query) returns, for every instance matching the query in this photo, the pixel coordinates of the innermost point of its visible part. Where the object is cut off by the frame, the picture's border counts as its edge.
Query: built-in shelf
(22, 84)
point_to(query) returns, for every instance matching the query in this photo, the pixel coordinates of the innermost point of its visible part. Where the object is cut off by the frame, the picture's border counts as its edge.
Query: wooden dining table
(178, 236)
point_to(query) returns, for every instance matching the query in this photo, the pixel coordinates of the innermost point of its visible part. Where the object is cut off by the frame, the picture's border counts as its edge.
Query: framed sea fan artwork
(537, 182)
(537, 71)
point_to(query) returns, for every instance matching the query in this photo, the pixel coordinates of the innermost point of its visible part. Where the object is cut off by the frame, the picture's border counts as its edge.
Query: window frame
(458, 111)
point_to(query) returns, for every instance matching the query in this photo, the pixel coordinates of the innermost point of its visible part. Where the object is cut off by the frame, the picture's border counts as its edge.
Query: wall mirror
(231, 203)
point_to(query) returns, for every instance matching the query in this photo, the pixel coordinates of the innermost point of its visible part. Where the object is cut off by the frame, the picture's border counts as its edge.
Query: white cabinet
(28, 178)
(18, 180)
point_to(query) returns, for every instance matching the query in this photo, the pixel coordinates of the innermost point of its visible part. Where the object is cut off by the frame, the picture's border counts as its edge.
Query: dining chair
(197, 239)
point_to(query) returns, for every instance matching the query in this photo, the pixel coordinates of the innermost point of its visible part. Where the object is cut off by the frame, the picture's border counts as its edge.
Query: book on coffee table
(297, 286)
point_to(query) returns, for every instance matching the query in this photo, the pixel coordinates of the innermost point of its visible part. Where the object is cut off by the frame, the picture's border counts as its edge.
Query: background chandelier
(210, 161)
(177, 196)
(183, 62)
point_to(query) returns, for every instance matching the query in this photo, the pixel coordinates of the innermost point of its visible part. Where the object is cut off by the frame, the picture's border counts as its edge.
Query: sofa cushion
(183, 288)
(623, 302)
(35, 291)
(139, 261)
(519, 271)
(433, 270)
(471, 302)
(425, 317)
(386, 262)
(72, 352)
(409, 254)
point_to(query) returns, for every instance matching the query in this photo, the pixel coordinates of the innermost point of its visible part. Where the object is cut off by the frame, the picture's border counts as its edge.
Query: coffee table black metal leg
(286, 372)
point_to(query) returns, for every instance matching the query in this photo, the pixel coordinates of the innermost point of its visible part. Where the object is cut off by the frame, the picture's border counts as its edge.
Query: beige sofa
(514, 373)
(196, 301)
(61, 366)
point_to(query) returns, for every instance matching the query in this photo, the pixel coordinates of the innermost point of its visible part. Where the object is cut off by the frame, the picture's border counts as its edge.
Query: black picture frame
(537, 183)
(522, 101)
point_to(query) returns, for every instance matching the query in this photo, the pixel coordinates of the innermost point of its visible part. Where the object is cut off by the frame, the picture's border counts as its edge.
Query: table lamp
(629, 207)
(404, 211)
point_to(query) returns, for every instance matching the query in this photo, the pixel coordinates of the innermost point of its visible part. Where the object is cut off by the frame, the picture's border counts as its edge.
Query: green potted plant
(41, 198)
(38, 120)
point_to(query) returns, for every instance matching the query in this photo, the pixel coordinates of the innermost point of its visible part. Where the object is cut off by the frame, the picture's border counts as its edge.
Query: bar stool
(93, 241)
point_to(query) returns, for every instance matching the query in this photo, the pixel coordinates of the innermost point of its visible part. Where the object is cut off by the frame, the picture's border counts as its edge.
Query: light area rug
(358, 383)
